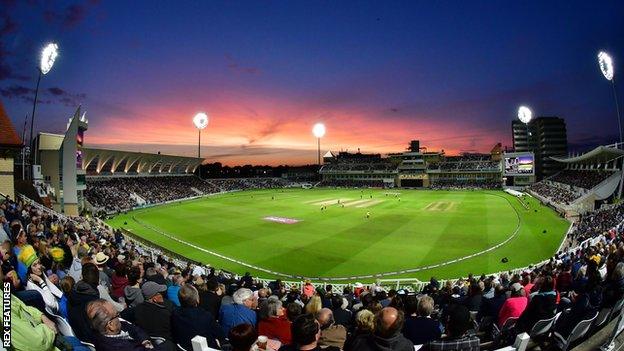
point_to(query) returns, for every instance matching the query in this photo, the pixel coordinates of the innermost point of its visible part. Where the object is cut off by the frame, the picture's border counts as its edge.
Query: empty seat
(578, 332)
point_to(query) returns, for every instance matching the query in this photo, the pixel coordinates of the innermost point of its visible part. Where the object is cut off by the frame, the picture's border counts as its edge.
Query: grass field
(414, 228)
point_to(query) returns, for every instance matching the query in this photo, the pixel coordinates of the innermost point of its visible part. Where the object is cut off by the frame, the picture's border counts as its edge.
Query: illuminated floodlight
(318, 130)
(606, 65)
(48, 56)
(200, 120)
(524, 114)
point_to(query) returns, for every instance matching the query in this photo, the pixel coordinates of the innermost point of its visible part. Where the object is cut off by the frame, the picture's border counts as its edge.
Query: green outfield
(326, 232)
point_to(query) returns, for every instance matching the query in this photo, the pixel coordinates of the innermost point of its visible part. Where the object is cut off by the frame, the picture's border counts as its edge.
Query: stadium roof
(601, 154)
(116, 161)
(119, 162)
(8, 136)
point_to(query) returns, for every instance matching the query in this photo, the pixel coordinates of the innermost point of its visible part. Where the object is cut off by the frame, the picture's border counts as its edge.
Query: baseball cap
(149, 289)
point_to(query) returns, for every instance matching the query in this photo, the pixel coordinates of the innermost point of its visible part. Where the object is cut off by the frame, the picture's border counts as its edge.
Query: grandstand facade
(415, 168)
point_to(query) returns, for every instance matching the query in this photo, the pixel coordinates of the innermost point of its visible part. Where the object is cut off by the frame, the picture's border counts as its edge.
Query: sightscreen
(519, 165)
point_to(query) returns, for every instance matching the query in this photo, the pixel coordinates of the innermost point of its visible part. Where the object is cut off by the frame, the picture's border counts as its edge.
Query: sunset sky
(378, 74)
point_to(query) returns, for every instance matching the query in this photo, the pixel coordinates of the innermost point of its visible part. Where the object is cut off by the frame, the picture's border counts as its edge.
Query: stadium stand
(466, 163)
(372, 183)
(569, 185)
(79, 271)
(585, 179)
(114, 194)
(466, 184)
(554, 192)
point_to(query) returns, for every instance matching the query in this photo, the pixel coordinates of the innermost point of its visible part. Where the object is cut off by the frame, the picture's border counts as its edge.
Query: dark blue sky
(377, 73)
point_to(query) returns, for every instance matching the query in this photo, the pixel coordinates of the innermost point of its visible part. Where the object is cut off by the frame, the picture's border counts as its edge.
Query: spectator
(513, 306)
(541, 306)
(614, 289)
(172, 290)
(306, 333)
(314, 305)
(459, 333)
(293, 310)
(84, 292)
(342, 315)
(308, 289)
(387, 335)
(275, 325)
(419, 327)
(240, 312)
(189, 320)
(20, 242)
(153, 315)
(586, 301)
(37, 281)
(331, 334)
(100, 261)
(490, 307)
(475, 295)
(119, 280)
(66, 285)
(132, 291)
(113, 334)
(30, 328)
(210, 297)
(242, 337)
(364, 328)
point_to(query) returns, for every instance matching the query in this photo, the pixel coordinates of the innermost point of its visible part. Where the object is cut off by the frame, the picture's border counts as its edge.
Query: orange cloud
(274, 124)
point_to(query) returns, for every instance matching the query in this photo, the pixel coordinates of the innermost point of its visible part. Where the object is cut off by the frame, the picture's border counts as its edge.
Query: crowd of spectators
(115, 194)
(558, 193)
(338, 167)
(466, 163)
(353, 183)
(586, 179)
(456, 184)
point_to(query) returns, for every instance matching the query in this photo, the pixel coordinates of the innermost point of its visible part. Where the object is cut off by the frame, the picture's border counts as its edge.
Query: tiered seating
(567, 186)
(373, 183)
(586, 179)
(465, 163)
(358, 167)
(556, 193)
(114, 194)
(466, 184)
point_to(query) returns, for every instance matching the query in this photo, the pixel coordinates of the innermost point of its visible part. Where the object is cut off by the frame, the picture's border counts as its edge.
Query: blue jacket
(233, 315)
(172, 294)
(63, 307)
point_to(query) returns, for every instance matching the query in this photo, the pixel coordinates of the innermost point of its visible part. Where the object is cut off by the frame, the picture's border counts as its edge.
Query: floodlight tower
(525, 115)
(48, 56)
(606, 66)
(319, 131)
(200, 121)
